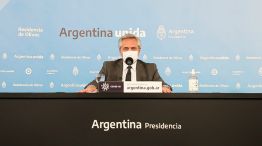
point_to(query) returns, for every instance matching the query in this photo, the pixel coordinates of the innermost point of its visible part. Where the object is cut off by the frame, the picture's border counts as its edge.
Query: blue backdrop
(59, 46)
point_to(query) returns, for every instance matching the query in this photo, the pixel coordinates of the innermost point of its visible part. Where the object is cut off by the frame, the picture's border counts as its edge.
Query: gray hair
(129, 36)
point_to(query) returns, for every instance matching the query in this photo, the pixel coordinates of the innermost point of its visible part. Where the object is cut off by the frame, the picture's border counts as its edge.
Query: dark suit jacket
(144, 72)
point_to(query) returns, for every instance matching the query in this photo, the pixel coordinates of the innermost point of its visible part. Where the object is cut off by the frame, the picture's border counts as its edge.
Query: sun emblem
(105, 86)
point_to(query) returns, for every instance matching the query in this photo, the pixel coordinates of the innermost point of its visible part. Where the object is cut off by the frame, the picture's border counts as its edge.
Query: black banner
(130, 119)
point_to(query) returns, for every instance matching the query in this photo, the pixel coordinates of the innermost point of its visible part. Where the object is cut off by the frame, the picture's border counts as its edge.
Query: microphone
(129, 61)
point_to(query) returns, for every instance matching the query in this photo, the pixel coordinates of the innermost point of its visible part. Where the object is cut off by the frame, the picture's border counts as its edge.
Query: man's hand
(89, 89)
(166, 89)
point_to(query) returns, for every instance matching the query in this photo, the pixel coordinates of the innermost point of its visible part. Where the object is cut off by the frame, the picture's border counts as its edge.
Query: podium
(130, 87)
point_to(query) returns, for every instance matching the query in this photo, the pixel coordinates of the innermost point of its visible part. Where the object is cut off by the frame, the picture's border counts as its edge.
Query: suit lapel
(140, 71)
(119, 69)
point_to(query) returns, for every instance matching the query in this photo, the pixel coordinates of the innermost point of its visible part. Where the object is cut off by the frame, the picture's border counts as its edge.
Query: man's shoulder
(145, 63)
(113, 62)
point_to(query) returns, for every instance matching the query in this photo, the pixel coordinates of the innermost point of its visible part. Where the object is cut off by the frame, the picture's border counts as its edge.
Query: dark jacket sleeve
(157, 77)
(102, 71)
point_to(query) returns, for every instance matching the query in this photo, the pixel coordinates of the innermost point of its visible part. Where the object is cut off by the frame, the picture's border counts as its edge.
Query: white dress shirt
(133, 72)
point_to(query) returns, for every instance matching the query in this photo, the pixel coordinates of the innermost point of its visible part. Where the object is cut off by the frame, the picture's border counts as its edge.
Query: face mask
(132, 54)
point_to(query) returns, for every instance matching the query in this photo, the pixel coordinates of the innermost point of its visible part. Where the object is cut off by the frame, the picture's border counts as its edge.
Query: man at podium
(129, 67)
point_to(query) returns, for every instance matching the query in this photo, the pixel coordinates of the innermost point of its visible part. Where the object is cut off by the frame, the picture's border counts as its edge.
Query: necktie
(128, 74)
